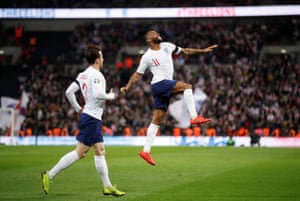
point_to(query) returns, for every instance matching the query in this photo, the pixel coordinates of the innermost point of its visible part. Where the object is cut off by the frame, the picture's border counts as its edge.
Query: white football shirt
(93, 88)
(159, 62)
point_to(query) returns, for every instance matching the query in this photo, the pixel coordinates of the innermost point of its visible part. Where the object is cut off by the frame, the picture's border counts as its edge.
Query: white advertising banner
(159, 141)
(136, 13)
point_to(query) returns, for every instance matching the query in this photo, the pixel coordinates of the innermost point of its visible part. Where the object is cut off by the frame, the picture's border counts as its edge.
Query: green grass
(181, 174)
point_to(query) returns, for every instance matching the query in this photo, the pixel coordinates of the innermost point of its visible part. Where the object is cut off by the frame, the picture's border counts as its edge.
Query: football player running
(92, 85)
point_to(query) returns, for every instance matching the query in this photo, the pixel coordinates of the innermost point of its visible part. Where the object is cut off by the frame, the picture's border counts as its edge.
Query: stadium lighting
(141, 51)
(283, 51)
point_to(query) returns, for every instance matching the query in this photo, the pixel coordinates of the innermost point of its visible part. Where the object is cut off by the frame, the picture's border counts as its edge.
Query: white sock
(64, 162)
(188, 98)
(151, 134)
(102, 170)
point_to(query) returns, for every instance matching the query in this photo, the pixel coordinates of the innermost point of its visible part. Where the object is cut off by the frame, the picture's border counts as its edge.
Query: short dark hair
(92, 53)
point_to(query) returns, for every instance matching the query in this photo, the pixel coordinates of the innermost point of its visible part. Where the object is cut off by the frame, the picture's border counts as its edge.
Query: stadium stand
(247, 91)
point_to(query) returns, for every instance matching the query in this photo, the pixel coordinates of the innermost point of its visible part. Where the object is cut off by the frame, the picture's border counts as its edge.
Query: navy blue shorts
(161, 92)
(90, 130)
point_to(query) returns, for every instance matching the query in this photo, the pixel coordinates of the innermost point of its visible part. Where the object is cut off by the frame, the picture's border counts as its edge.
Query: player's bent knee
(188, 86)
(82, 154)
(99, 151)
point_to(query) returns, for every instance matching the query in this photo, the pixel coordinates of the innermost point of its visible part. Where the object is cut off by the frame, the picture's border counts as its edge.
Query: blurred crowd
(248, 93)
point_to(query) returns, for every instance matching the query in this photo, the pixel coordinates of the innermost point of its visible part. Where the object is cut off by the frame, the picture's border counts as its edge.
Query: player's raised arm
(189, 51)
(133, 79)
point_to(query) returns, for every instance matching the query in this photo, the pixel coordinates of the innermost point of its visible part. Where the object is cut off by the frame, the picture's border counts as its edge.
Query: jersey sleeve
(70, 94)
(99, 88)
(143, 65)
(174, 48)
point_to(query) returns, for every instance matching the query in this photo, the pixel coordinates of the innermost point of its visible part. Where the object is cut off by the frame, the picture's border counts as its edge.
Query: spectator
(231, 75)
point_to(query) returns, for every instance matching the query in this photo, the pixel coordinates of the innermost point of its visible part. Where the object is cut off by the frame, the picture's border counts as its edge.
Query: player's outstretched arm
(189, 51)
(133, 79)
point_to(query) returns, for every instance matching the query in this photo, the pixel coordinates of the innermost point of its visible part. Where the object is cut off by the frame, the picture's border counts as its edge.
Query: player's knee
(156, 121)
(100, 152)
(188, 86)
(181, 87)
(82, 154)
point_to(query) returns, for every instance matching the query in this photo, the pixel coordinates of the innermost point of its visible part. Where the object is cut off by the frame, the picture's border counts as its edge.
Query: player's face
(101, 59)
(154, 37)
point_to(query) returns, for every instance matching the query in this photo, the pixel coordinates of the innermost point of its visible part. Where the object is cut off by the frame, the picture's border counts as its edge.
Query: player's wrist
(110, 96)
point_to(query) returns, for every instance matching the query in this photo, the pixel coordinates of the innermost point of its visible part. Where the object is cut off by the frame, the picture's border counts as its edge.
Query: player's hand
(111, 95)
(210, 48)
(123, 90)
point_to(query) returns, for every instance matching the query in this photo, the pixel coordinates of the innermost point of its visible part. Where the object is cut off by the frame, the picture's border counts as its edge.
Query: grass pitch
(181, 174)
